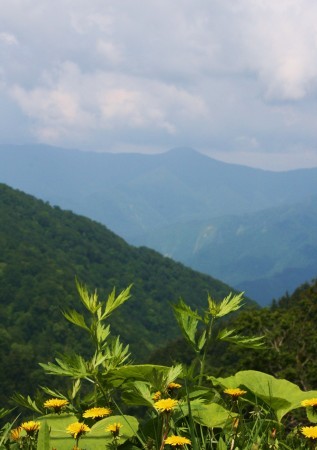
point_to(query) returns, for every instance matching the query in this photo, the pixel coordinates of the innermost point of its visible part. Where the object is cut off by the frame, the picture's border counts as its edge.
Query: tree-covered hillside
(43, 249)
(289, 328)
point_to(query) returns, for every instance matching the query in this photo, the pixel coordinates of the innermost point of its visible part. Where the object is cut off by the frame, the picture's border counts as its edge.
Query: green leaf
(228, 305)
(58, 423)
(188, 321)
(213, 416)
(114, 302)
(43, 441)
(75, 318)
(68, 365)
(26, 402)
(90, 301)
(221, 444)
(311, 414)
(137, 393)
(255, 342)
(131, 372)
(97, 438)
(280, 395)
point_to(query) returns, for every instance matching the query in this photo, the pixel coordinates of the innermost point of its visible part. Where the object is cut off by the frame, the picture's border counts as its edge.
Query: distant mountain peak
(183, 151)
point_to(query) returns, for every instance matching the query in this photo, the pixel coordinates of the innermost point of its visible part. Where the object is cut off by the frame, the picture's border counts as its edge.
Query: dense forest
(289, 330)
(43, 249)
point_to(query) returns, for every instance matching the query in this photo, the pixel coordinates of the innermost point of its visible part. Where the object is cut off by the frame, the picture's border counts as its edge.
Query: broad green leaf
(97, 438)
(221, 444)
(311, 414)
(281, 396)
(43, 442)
(131, 372)
(137, 393)
(213, 416)
(58, 423)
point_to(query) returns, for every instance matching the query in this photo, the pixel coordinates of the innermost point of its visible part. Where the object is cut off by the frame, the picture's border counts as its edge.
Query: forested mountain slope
(42, 250)
(289, 328)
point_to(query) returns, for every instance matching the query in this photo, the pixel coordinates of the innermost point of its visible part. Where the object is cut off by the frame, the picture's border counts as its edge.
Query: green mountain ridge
(43, 249)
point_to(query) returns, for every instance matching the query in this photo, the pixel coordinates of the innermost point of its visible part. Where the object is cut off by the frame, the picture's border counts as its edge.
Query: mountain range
(252, 228)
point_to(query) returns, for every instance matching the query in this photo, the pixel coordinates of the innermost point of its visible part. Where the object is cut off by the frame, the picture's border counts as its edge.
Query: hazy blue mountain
(264, 253)
(133, 193)
(206, 213)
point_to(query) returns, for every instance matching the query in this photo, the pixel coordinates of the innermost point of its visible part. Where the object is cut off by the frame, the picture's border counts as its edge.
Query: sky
(233, 79)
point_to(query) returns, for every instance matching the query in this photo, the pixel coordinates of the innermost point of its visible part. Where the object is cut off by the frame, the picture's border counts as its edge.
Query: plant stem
(206, 347)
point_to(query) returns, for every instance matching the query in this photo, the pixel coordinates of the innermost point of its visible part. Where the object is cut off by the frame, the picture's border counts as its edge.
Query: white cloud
(8, 38)
(87, 101)
(210, 73)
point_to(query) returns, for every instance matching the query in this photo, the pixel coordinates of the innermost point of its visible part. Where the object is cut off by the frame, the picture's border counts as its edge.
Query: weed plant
(110, 403)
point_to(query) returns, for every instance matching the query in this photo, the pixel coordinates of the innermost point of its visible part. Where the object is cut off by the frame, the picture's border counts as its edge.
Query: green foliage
(281, 396)
(289, 326)
(168, 403)
(189, 320)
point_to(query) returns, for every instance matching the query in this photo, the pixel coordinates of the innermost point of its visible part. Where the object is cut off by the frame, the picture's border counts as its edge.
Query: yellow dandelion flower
(77, 429)
(114, 428)
(166, 404)
(235, 393)
(96, 412)
(310, 432)
(310, 402)
(56, 403)
(177, 441)
(15, 433)
(174, 386)
(31, 427)
(157, 395)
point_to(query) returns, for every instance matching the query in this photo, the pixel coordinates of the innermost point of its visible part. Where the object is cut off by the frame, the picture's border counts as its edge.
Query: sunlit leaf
(255, 342)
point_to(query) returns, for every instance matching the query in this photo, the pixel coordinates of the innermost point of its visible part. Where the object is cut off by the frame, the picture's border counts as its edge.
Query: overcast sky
(235, 79)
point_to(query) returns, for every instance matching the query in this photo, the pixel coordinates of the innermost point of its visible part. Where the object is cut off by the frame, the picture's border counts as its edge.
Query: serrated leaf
(229, 304)
(137, 393)
(26, 402)
(255, 342)
(90, 301)
(76, 318)
(188, 322)
(114, 302)
(68, 365)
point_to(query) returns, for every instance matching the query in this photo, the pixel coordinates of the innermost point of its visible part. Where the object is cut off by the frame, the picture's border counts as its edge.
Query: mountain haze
(260, 253)
(174, 201)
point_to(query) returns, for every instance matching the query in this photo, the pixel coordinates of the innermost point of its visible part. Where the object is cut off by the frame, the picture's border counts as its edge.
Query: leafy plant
(112, 403)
